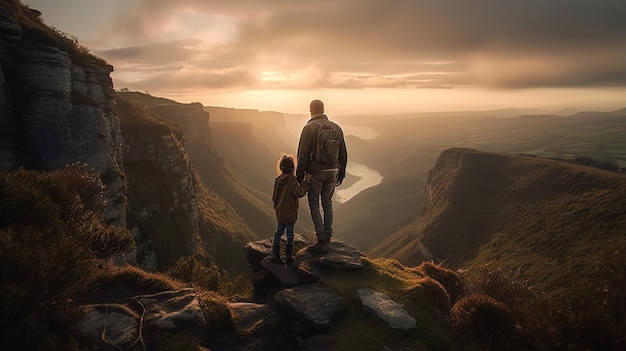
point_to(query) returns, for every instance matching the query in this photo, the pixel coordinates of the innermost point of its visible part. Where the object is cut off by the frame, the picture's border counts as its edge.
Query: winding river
(369, 178)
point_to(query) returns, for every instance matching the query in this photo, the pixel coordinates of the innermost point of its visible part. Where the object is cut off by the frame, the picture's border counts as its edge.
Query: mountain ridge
(521, 212)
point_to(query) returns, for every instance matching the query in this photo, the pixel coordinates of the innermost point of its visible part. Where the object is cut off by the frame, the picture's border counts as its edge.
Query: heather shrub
(594, 319)
(192, 271)
(449, 279)
(433, 292)
(484, 321)
(50, 236)
(502, 286)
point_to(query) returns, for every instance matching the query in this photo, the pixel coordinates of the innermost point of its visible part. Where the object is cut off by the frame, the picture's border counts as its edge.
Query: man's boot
(289, 252)
(320, 247)
(275, 252)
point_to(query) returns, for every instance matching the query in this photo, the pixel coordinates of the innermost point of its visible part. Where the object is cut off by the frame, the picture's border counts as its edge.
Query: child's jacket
(287, 191)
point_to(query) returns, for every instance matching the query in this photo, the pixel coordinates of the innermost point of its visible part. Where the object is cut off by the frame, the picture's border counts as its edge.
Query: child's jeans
(281, 229)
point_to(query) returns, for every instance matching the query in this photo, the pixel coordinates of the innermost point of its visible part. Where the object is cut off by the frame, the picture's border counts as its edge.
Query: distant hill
(555, 222)
(375, 213)
(410, 147)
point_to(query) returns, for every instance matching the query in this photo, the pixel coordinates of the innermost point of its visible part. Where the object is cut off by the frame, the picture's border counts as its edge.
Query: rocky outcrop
(57, 107)
(295, 292)
(121, 325)
(307, 268)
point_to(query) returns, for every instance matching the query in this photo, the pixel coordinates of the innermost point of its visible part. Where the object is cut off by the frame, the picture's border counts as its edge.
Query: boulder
(172, 310)
(314, 302)
(341, 255)
(248, 317)
(380, 305)
(285, 274)
(118, 324)
(112, 323)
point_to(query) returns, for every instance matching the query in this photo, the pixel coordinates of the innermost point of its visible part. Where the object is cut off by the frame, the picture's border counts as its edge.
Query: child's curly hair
(286, 164)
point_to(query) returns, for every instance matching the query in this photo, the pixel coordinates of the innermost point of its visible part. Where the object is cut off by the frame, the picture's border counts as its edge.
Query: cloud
(371, 43)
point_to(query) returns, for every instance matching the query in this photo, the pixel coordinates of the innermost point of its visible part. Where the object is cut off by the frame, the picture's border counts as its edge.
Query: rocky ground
(292, 308)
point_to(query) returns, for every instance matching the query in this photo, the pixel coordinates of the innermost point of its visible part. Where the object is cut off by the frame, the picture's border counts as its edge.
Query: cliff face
(56, 106)
(170, 211)
(162, 189)
(253, 206)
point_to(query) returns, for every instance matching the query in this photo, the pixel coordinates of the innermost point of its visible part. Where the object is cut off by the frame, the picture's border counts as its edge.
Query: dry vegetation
(52, 241)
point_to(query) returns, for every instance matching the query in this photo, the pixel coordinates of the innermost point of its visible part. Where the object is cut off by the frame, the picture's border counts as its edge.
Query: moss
(356, 330)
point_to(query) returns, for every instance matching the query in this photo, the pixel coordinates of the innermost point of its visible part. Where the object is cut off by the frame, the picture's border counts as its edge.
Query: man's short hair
(316, 106)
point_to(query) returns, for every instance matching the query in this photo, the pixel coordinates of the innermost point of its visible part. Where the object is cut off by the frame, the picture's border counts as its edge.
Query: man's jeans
(322, 185)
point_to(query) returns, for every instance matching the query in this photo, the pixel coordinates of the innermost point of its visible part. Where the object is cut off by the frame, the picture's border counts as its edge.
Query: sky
(358, 56)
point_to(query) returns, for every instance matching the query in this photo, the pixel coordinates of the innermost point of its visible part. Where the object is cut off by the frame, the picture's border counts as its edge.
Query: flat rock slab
(316, 303)
(307, 268)
(118, 324)
(114, 323)
(380, 305)
(285, 274)
(248, 317)
(342, 255)
(172, 309)
(256, 251)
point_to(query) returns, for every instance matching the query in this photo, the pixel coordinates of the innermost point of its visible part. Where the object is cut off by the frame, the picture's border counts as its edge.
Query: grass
(355, 330)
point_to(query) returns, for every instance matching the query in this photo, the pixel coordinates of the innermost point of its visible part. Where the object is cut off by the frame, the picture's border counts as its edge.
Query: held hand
(307, 177)
(339, 181)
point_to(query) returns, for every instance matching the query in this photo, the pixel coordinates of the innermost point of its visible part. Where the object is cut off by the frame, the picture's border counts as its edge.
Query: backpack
(327, 143)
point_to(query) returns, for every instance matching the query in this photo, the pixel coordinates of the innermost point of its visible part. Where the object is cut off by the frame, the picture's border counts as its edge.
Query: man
(322, 153)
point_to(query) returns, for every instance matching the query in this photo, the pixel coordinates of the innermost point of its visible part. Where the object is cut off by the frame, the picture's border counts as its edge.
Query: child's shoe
(275, 249)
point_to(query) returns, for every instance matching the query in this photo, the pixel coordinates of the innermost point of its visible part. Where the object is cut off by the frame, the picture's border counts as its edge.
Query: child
(287, 192)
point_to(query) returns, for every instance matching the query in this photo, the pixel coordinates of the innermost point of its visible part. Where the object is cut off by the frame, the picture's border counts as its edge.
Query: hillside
(172, 213)
(555, 222)
(372, 215)
(214, 168)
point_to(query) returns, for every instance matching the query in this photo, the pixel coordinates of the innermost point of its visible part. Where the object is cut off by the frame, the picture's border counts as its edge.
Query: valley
(131, 221)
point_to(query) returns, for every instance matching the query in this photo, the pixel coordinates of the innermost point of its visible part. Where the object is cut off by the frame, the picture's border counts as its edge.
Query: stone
(111, 323)
(248, 317)
(172, 310)
(285, 274)
(315, 303)
(307, 268)
(340, 255)
(10, 31)
(256, 251)
(380, 305)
